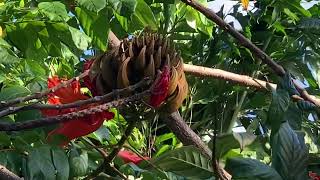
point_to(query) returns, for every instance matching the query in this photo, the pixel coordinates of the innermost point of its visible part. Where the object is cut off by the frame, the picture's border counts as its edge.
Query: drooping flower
(128, 156)
(77, 127)
(314, 176)
(160, 90)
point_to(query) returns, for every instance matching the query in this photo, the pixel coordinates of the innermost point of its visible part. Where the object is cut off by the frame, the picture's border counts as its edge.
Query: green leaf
(124, 7)
(60, 161)
(102, 134)
(251, 169)
(39, 164)
(295, 5)
(7, 56)
(226, 142)
(279, 105)
(12, 160)
(145, 15)
(187, 162)
(294, 116)
(289, 153)
(78, 163)
(27, 115)
(95, 25)
(55, 11)
(12, 92)
(81, 40)
(93, 5)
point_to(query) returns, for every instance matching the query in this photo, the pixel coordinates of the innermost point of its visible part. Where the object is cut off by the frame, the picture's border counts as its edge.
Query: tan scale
(137, 58)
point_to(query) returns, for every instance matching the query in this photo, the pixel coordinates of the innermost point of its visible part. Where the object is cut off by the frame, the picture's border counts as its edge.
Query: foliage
(39, 39)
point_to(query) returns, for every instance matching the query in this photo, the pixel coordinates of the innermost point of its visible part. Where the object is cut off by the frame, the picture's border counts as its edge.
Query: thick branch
(243, 80)
(279, 70)
(188, 137)
(242, 39)
(96, 99)
(18, 126)
(8, 175)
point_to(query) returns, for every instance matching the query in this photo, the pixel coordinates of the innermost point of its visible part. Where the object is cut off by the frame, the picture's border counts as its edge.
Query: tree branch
(8, 175)
(115, 151)
(18, 126)
(39, 95)
(188, 137)
(242, 39)
(96, 99)
(278, 69)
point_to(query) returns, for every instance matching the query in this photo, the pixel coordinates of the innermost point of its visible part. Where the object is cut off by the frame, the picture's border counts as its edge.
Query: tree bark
(5, 174)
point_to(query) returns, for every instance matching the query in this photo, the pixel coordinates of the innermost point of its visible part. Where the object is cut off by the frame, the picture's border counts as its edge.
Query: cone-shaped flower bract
(148, 55)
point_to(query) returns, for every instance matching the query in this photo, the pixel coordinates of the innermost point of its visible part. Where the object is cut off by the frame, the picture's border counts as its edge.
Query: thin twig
(70, 116)
(96, 99)
(39, 95)
(105, 157)
(114, 152)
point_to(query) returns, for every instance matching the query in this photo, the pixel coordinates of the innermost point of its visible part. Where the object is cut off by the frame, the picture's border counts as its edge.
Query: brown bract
(137, 58)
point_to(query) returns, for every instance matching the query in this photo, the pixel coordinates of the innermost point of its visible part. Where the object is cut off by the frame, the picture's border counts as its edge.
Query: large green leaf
(95, 25)
(12, 92)
(93, 5)
(124, 7)
(55, 11)
(60, 161)
(279, 105)
(187, 162)
(250, 169)
(78, 163)
(235, 140)
(25, 36)
(7, 56)
(289, 153)
(145, 15)
(39, 164)
(294, 116)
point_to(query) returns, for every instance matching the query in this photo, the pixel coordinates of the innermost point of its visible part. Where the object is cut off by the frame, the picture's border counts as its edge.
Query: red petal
(129, 156)
(67, 94)
(160, 90)
(81, 126)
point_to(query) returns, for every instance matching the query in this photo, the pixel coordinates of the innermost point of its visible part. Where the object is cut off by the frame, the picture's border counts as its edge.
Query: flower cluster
(77, 127)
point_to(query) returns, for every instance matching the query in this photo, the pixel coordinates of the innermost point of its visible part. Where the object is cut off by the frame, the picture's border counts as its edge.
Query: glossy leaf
(60, 161)
(185, 161)
(93, 5)
(278, 106)
(78, 163)
(124, 7)
(145, 15)
(39, 164)
(289, 153)
(245, 168)
(95, 25)
(55, 11)
(13, 92)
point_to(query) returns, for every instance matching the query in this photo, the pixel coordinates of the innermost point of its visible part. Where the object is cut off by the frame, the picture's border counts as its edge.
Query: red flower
(77, 127)
(160, 89)
(314, 176)
(128, 156)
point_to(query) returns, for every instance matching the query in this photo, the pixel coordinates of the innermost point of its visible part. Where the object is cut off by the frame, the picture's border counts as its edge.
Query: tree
(44, 81)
